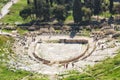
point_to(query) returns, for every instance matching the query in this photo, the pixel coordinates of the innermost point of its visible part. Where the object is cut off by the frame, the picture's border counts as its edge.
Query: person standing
(12, 1)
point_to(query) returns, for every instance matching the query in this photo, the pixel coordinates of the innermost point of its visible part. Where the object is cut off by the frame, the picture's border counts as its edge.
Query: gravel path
(5, 10)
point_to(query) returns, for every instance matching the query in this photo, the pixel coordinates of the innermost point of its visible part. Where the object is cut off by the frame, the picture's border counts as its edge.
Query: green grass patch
(85, 32)
(5, 72)
(106, 14)
(13, 15)
(21, 31)
(69, 18)
(5, 30)
(109, 69)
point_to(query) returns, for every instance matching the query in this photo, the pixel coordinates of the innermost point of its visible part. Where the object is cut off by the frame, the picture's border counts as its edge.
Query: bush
(87, 14)
(60, 13)
(116, 9)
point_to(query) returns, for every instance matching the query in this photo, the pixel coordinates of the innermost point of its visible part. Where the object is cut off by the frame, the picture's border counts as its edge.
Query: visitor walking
(72, 64)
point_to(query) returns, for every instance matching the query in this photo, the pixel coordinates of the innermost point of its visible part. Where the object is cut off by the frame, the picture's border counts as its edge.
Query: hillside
(13, 15)
(3, 2)
(109, 69)
(7, 73)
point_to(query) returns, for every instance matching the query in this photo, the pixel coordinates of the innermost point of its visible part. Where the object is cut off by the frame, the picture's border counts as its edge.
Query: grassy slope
(3, 2)
(7, 74)
(69, 19)
(13, 15)
(109, 69)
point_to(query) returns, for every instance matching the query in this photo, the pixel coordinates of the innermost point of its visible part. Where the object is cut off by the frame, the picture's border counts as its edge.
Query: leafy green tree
(60, 13)
(68, 4)
(35, 5)
(97, 7)
(42, 9)
(89, 3)
(77, 13)
(46, 11)
(47, 1)
(88, 8)
(39, 8)
(87, 13)
(51, 2)
(60, 2)
(28, 1)
(27, 12)
(111, 6)
(105, 5)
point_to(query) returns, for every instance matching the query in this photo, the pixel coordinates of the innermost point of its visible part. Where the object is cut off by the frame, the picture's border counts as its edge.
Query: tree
(87, 13)
(46, 11)
(39, 7)
(77, 13)
(111, 6)
(51, 2)
(60, 2)
(28, 1)
(105, 5)
(68, 4)
(27, 12)
(97, 7)
(47, 1)
(60, 13)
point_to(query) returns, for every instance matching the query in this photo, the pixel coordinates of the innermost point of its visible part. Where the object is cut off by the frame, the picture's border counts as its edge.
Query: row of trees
(47, 10)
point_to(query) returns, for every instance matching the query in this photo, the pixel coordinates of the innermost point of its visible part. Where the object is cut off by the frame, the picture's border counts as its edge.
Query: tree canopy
(45, 10)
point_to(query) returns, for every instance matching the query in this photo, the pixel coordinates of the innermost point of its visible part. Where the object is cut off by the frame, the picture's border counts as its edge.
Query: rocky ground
(5, 9)
(25, 47)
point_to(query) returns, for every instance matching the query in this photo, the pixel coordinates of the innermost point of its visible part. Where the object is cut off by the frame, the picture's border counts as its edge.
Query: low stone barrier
(40, 59)
(61, 62)
(80, 41)
(75, 58)
(90, 52)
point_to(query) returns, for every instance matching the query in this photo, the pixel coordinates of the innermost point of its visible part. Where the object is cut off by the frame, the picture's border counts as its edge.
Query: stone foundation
(80, 41)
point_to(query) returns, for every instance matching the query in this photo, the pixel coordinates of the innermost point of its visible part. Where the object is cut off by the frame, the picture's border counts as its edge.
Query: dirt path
(5, 10)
